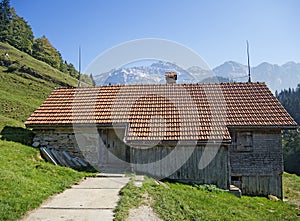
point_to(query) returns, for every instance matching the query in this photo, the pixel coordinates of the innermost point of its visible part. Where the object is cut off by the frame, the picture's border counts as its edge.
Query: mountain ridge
(277, 77)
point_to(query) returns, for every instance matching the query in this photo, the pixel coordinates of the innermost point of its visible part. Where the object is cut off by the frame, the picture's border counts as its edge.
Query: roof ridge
(166, 85)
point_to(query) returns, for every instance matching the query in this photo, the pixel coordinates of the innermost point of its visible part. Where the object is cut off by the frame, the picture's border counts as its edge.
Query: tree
(14, 29)
(64, 67)
(291, 151)
(20, 34)
(44, 51)
(5, 17)
(72, 71)
(290, 99)
(93, 81)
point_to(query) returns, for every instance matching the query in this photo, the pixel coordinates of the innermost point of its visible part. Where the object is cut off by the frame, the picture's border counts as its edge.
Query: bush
(208, 188)
(13, 67)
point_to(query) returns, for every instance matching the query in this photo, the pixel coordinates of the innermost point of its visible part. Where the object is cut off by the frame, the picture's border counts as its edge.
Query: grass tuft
(131, 197)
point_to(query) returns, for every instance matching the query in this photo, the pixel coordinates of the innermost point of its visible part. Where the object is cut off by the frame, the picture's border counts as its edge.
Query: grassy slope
(22, 93)
(25, 179)
(186, 202)
(291, 188)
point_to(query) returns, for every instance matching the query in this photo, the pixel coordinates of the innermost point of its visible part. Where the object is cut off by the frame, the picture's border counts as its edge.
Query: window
(236, 181)
(243, 141)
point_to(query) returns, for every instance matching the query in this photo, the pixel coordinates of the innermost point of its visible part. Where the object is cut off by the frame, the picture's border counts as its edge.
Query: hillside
(24, 84)
(24, 177)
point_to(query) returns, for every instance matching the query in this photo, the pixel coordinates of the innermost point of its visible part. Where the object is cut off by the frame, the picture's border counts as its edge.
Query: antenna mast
(249, 69)
(79, 65)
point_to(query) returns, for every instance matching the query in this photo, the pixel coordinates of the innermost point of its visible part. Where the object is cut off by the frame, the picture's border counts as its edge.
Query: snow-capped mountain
(153, 74)
(276, 77)
(232, 70)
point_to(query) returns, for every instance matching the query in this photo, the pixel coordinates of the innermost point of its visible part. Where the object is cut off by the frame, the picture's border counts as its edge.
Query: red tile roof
(166, 112)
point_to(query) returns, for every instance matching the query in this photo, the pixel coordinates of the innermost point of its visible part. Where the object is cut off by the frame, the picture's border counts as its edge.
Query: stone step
(235, 191)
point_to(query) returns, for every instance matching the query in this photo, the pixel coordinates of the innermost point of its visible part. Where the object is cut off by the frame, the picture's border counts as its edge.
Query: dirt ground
(143, 213)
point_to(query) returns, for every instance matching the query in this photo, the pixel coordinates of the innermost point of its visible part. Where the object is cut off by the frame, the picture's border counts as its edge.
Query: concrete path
(92, 199)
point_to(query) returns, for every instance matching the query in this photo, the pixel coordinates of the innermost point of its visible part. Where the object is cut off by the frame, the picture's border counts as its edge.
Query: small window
(243, 141)
(236, 181)
(236, 178)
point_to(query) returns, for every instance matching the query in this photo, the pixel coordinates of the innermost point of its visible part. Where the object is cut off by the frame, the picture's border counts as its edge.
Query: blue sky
(216, 30)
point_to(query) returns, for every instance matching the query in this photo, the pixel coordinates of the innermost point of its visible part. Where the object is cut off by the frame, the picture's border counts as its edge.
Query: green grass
(291, 188)
(22, 59)
(25, 179)
(131, 197)
(20, 92)
(187, 202)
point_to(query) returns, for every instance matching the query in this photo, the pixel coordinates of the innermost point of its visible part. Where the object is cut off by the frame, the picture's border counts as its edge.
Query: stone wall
(101, 147)
(63, 139)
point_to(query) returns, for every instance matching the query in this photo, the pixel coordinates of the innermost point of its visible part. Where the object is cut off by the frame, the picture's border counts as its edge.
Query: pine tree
(93, 81)
(5, 17)
(14, 29)
(72, 71)
(44, 51)
(20, 33)
(290, 99)
(64, 67)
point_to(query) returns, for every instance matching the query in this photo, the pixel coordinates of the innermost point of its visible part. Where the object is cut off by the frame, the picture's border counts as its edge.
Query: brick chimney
(171, 77)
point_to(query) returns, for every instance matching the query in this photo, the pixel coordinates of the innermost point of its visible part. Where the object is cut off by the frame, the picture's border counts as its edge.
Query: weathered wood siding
(257, 170)
(183, 166)
(262, 185)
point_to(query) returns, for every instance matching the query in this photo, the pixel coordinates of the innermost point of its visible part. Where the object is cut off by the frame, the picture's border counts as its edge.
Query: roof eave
(74, 125)
(280, 127)
(175, 142)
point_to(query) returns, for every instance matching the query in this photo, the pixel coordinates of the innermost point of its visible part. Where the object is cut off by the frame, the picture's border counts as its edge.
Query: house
(218, 133)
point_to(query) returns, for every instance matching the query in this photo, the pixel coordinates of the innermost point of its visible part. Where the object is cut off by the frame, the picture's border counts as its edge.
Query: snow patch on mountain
(153, 74)
(277, 77)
